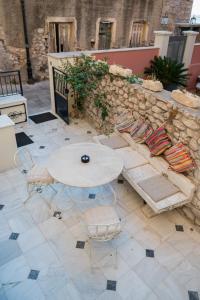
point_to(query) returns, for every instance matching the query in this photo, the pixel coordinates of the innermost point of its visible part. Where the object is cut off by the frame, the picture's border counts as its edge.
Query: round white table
(65, 165)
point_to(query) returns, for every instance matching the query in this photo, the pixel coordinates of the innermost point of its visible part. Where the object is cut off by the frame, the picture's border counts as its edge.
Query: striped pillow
(179, 158)
(158, 141)
(136, 126)
(142, 133)
(125, 126)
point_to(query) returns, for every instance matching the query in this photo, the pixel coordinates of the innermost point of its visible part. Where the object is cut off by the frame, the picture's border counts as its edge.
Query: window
(62, 34)
(138, 36)
(105, 35)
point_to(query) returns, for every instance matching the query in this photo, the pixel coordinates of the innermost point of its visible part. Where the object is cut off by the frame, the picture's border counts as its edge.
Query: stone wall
(38, 51)
(122, 96)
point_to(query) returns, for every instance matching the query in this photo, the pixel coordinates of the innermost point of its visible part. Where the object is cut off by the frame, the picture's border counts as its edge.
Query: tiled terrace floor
(40, 259)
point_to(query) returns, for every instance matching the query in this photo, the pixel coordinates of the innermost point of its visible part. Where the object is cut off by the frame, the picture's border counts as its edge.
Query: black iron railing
(10, 83)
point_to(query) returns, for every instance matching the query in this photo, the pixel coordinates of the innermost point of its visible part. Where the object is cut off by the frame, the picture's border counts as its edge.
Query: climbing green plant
(84, 74)
(134, 79)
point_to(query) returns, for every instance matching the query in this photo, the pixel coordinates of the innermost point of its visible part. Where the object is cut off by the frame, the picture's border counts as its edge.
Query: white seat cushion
(129, 140)
(131, 158)
(114, 142)
(142, 173)
(102, 221)
(101, 215)
(39, 175)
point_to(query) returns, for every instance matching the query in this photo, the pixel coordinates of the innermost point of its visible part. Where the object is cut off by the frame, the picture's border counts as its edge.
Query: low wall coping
(62, 55)
(165, 96)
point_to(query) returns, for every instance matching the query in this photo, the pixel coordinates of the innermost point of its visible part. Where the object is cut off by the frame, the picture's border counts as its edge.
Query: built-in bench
(161, 188)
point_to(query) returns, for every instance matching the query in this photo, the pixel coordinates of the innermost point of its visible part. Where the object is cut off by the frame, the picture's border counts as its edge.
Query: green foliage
(134, 79)
(99, 103)
(168, 71)
(83, 75)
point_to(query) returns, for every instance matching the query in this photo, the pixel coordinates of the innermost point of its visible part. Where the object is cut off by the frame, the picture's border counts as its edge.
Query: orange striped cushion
(179, 158)
(158, 141)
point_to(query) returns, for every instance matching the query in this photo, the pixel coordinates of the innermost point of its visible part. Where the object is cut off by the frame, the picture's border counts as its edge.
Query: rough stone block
(194, 145)
(178, 124)
(162, 105)
(156, 109)
(190, 124)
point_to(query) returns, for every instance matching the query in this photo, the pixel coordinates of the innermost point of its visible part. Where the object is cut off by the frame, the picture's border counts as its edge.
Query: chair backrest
(104, 232)
(23, 160)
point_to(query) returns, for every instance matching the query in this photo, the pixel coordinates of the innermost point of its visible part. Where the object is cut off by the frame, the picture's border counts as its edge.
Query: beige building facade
(70, 25)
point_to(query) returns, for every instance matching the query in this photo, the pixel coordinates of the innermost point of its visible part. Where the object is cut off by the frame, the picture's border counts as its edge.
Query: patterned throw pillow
(158, 141)
(136, 126)
(125, 126)
(142, 132)
(179, 158)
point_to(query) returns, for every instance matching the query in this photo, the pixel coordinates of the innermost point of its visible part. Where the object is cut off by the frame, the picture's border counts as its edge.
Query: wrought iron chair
(103, 224)
(36, 175)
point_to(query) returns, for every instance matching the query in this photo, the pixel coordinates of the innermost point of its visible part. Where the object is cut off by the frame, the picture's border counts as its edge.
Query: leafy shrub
(168, 71)
(83, 75)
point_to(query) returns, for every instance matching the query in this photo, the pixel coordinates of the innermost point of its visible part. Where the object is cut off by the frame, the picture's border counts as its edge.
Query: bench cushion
(141, 173)
(131, 158)
(158, 187)
(114, 142)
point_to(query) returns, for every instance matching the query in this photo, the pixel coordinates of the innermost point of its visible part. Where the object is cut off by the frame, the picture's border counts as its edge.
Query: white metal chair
(103, 224)
(37, 176)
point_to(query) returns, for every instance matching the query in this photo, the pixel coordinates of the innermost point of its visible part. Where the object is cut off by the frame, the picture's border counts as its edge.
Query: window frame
(113, 31)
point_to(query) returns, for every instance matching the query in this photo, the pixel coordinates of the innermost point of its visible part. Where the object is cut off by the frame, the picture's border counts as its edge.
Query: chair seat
(39, 175)
(102, 221)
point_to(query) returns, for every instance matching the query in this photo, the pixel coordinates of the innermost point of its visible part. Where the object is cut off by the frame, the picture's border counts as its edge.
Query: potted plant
(171, 73)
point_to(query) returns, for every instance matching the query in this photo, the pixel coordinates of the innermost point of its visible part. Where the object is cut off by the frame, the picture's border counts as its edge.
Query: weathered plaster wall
(86, 13)
(136, 59)
(177, 10)
(156, 107)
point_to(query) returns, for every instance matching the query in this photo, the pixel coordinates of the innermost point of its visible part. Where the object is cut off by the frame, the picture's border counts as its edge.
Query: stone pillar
(162, 41)
(189, 46)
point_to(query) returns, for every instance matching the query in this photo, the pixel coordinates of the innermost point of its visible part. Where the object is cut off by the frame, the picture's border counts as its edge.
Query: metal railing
(10, 83)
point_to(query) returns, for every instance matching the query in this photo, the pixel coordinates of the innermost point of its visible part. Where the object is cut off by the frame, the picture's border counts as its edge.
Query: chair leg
(90, 246)
(114, 194)
(30, 193)
(91, 255)
(116, 258)
(51, 186)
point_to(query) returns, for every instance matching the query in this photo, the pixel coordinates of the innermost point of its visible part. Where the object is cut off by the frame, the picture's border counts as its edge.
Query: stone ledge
(165, 96)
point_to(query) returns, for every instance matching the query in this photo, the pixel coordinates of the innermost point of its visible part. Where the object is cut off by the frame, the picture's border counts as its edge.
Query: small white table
(65, 165)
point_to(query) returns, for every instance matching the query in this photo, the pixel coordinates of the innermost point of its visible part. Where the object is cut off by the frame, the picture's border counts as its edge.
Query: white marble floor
(42, 261)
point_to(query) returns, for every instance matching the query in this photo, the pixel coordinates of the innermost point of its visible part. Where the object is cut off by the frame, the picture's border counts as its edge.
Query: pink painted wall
(194, 68)
(136, 60)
